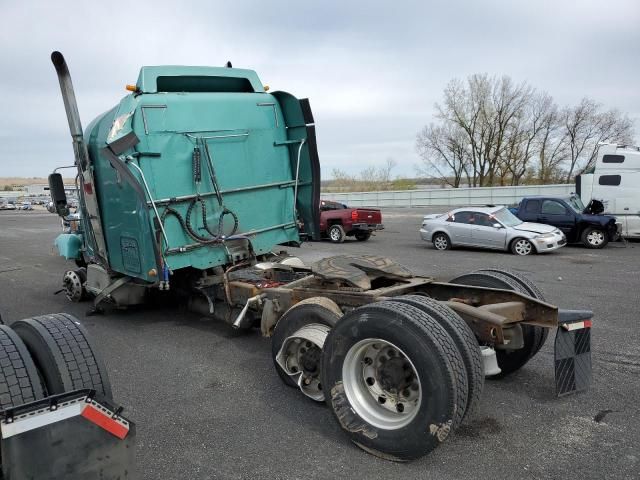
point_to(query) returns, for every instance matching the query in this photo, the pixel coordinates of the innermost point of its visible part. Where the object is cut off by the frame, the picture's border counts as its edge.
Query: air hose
(185, 222)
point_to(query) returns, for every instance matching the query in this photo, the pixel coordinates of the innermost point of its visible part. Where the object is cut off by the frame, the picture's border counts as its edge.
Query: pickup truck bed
(337, 221)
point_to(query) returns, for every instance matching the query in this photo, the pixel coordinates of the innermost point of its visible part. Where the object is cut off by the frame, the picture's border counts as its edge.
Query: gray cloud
(372, 71)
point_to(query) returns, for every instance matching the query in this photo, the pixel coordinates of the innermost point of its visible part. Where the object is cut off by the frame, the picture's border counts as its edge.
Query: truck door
(556, 213)
(484, 233)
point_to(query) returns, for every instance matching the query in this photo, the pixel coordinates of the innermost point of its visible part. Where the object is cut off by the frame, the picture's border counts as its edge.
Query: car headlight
(545, 236)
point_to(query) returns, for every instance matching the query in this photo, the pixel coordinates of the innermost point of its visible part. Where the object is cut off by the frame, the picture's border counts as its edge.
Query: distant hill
(22, 181)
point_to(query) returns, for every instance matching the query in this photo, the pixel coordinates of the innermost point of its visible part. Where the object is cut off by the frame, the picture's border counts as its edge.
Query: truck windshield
(506, 218)
(576, 204)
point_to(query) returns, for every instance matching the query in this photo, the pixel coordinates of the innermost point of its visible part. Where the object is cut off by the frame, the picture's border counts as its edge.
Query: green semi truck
(191, 186)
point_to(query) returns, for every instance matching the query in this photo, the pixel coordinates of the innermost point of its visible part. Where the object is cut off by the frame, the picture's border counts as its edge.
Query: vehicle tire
(527, 287)
(19, 379)
(522, 247)
(316, 310)
(465, 341)
(363, 236)
(533, 336)
(382, 348)
(594, 238)
(441, 241)
(65, 357)
(336, 233)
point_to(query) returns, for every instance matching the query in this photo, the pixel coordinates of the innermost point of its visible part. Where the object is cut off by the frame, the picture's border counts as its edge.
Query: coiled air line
(185, 222)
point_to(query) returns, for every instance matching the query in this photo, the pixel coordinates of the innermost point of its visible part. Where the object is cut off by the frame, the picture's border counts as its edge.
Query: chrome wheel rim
(381, 383)
(523, 247)
(72, 286)
(595, 237)
(300, 357)
(335, 234)
(440, 242)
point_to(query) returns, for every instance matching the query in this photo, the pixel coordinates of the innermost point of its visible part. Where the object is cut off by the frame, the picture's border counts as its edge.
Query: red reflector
(105, 421)
(587, 323)
(88, 188)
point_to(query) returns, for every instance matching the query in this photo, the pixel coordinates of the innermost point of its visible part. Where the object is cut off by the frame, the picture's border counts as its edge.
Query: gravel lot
(208, 403)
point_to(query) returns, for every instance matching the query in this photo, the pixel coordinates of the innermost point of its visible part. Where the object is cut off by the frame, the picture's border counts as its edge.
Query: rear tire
(464, 339)
(19, 379)
(336, 233)
(527, 287)
(533, 336)
(412, 357)
(363, 236)
(441, 241)
(594, 238)
(317, 310)
(61, 350)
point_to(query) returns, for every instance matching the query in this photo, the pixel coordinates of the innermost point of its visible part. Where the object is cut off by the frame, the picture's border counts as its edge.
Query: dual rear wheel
(48, 355)
(399, 375)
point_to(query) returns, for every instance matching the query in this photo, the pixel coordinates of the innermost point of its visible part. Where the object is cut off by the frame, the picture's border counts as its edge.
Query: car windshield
(506, 218)
(576, 204)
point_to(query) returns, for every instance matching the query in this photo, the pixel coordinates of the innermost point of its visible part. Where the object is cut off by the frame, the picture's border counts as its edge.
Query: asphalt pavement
(208, 403)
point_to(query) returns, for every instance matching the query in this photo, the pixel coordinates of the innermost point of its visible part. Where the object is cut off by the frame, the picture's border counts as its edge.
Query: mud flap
(76, 435)
(572, 351)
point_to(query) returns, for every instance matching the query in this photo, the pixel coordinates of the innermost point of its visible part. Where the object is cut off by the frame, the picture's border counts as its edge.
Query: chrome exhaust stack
(71, 107)
(87, 192)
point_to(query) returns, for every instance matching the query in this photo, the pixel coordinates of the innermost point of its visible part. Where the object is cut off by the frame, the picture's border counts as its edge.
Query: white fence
(449, 197)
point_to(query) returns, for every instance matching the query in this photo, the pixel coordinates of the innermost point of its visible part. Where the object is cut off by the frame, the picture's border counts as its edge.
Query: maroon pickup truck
(338, 221)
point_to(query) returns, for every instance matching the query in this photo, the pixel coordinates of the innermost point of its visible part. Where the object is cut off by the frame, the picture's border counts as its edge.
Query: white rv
(615, 181)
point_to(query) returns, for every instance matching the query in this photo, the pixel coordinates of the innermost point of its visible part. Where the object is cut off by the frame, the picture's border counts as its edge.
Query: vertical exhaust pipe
(71, 107)
(89, 201)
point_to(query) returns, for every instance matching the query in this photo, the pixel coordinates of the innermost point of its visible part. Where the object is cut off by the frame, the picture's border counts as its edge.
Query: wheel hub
(73, 284)
(300, 358)
(310, 358)
(381, 383)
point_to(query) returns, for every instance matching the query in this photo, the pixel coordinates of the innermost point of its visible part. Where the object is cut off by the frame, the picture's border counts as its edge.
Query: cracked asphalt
(209, 405)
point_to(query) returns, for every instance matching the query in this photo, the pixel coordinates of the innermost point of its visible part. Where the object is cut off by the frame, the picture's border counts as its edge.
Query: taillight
(354, 215)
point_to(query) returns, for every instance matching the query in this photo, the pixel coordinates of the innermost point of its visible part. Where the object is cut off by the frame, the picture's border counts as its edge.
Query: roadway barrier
(447, 196)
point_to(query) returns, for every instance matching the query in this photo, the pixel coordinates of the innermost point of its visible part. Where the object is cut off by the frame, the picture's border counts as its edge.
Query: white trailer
(615, 181)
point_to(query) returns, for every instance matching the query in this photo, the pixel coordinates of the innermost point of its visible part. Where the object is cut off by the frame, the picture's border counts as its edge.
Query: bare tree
(443, 150)
(491, 130)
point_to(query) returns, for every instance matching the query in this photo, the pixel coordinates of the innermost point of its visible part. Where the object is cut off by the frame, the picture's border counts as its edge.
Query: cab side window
(552, 207)
(532, 206)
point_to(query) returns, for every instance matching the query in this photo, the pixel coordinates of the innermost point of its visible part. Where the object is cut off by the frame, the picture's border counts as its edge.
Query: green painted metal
(69, 245)
(254, 140)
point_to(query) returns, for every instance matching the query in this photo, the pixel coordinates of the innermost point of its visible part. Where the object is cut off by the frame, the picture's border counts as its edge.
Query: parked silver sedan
(490, 227)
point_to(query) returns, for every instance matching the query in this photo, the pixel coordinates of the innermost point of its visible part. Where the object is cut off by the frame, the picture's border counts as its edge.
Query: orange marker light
(132, 88)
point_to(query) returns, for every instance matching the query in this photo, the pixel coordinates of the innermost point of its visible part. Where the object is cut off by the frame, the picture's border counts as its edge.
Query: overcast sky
(371, 71)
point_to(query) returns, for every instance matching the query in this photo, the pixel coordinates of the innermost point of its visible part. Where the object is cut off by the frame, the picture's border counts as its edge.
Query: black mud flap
(75, 435)
(572, 352)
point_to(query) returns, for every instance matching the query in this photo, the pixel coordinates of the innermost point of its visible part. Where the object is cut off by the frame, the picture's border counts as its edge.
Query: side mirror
(497, 225)
(58, 197)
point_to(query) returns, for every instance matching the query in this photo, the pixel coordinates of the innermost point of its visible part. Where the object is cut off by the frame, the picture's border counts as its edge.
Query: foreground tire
(441, 241)
(522, 247)
(363, 236)
(533, 336)
(594, 238)
(303, 355)
(336, 233)
(19, 380)
(63, 354)
(465, 341)
(389, 379)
